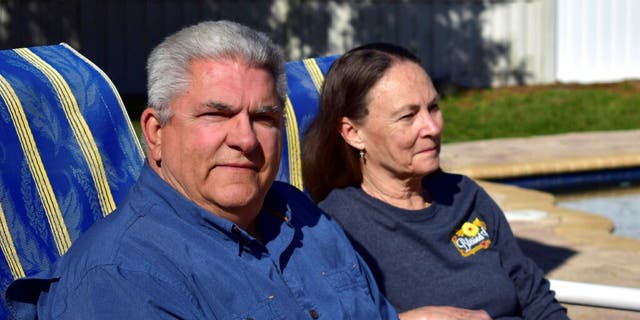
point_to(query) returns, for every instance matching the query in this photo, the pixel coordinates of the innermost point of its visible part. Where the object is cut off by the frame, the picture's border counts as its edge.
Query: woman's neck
(406, 194)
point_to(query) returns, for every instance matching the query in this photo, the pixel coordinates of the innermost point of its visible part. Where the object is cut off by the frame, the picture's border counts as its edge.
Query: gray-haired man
(205, 233)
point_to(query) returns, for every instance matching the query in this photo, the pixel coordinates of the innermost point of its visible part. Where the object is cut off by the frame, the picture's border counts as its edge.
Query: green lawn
(540, 110)
(527, 111)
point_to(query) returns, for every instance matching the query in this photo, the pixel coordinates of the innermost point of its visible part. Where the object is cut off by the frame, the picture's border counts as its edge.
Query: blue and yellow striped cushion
(304, 80)
(68, 155)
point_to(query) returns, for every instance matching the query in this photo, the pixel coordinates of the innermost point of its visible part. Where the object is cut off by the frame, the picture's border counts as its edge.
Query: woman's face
(402, 131)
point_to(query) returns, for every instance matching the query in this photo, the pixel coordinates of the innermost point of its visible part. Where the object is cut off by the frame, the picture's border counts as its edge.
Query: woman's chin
(426, 169)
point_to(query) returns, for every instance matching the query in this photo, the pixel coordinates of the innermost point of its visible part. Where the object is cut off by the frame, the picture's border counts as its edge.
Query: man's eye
(434, 107)
(214, 115)
(269, 120)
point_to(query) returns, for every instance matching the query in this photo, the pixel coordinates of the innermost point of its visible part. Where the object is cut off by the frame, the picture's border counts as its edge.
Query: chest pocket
(346, 278)
(352, 290)
(265, 310)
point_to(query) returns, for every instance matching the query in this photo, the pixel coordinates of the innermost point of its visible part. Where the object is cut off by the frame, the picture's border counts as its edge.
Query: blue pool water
(613, 193)
(620, 206)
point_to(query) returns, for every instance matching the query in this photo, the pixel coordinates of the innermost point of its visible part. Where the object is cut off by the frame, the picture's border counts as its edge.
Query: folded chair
(68, 155)
(304, 81)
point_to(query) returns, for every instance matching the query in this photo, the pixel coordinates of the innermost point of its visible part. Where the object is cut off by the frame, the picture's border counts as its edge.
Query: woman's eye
(434, 107)
(407, 116)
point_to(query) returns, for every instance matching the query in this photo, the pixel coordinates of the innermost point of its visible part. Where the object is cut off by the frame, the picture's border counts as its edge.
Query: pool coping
(514, 157)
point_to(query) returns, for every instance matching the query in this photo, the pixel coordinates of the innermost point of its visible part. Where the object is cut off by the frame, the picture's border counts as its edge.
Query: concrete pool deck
(568, 244)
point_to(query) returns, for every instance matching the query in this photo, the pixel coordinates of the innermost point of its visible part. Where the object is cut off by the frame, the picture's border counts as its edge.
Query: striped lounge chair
(68, 155)
(304, 81)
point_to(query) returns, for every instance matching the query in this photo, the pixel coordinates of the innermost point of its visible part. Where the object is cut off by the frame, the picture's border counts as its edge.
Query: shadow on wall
(446, 35)
(118, 35)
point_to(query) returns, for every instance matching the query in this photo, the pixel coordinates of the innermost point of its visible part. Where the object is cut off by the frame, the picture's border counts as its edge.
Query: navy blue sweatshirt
(459, 251)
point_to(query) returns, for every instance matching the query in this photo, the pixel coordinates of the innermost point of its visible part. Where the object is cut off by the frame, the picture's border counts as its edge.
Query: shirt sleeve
(387, 311)
(113, 293)
(534, 294)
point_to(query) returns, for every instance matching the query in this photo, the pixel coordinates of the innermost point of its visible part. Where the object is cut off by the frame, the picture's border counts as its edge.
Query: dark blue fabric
(161, 256)
(26, 240)
(416, 262)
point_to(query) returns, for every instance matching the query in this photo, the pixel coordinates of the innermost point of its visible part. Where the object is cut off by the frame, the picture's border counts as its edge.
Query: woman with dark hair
(371, 160)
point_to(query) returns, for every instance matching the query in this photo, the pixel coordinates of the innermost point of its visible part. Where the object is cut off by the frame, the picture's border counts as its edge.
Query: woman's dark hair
(328, 162)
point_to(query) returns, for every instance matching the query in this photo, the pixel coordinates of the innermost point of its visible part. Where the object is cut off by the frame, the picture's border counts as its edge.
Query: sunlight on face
(403, 129)
(221, 148)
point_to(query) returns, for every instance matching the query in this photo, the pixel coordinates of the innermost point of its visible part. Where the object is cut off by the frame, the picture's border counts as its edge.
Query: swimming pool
(612, 193)
(621, 205)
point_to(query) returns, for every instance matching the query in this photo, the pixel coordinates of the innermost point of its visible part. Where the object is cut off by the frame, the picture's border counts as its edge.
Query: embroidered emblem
(471, 238)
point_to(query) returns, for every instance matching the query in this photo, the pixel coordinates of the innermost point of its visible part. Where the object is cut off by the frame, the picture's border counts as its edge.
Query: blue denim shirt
(161, 256)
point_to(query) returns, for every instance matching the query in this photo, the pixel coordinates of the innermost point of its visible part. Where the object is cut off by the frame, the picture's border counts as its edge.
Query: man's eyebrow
(225, 108)
(219, 106)
(268, 109)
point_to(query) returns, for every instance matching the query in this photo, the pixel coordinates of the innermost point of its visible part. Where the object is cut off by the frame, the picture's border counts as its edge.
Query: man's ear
(152, 132)
(350, 133)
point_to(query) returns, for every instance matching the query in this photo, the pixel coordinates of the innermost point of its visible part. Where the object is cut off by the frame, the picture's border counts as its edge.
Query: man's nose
(241, 135)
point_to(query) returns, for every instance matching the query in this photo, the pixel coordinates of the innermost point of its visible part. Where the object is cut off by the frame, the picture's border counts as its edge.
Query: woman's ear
(350, 133)
(152, 132)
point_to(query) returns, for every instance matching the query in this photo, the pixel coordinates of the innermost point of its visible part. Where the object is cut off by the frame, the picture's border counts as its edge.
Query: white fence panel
(598, 40)
(464, 42)
(527, 31)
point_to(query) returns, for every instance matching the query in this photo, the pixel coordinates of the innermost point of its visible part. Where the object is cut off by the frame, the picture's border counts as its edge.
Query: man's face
(221, 147)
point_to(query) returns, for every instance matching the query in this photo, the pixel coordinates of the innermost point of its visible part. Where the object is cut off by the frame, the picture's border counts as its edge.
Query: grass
(135, 104)
(540, 110)
(524, 111)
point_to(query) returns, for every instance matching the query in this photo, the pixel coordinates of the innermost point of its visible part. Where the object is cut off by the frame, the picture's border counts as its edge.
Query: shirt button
(314, 314)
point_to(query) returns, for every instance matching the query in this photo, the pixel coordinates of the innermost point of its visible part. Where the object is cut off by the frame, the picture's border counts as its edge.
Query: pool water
(620, 205)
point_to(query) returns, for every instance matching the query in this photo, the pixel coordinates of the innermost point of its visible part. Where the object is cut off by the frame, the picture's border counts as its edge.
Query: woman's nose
(430, 123)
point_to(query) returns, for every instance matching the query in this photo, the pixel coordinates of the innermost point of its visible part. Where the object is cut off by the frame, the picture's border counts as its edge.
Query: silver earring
(362, 154)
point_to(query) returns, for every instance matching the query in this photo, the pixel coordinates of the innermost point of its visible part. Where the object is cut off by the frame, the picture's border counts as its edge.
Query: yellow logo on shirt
(471, 238)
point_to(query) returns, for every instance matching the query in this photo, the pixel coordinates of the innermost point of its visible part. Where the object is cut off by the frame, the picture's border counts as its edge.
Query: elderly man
(205, 233)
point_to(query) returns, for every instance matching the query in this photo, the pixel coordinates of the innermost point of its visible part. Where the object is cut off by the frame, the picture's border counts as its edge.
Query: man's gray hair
(167, 65)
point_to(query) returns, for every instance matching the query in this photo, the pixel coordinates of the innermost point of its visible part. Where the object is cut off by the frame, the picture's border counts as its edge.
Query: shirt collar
(274, 214)
(162, 192)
